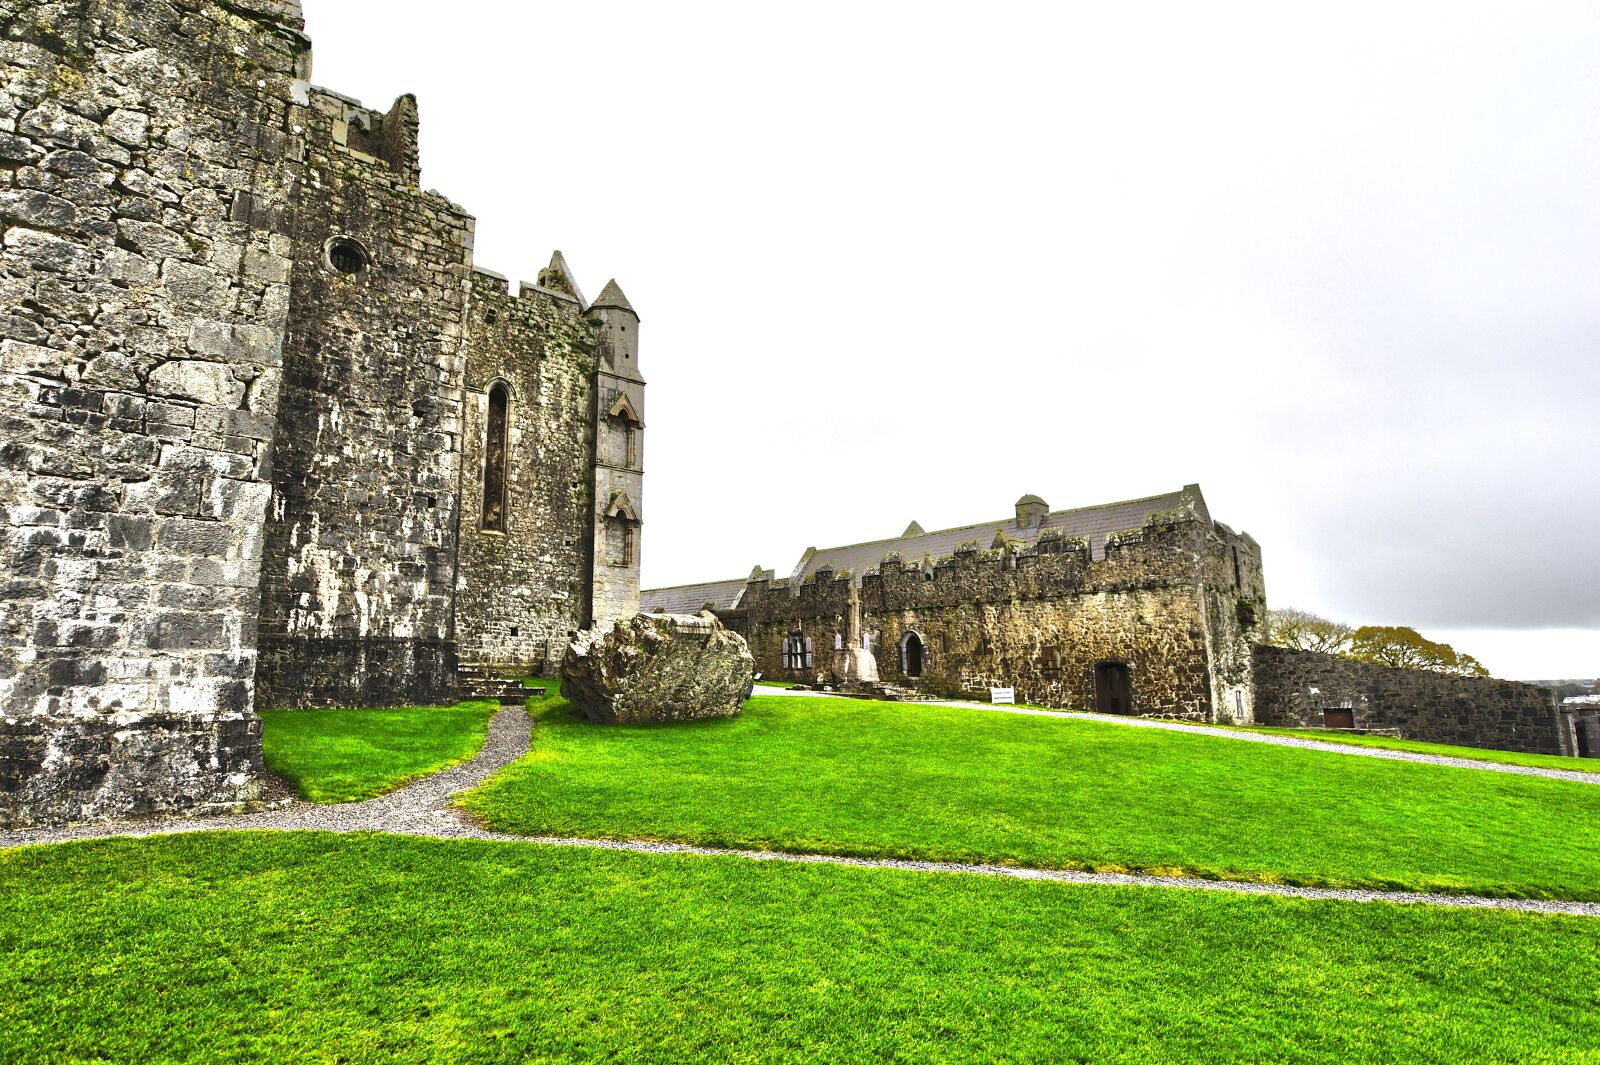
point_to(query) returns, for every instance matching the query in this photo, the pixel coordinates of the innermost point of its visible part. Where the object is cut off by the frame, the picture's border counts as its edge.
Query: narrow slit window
(494, 461)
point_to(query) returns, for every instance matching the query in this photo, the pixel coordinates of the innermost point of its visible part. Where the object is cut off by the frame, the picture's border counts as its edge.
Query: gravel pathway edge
(422, 809)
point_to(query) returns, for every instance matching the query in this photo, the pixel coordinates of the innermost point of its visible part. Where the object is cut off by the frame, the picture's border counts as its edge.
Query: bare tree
(1302, 630)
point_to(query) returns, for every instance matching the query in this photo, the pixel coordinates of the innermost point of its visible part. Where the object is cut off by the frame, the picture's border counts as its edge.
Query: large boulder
(658, 667)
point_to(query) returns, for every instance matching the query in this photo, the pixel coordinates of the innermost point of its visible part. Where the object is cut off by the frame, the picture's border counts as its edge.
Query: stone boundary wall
(1294, 688)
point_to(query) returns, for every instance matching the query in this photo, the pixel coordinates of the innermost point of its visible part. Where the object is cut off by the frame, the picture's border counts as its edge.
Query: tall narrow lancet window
(494, 460)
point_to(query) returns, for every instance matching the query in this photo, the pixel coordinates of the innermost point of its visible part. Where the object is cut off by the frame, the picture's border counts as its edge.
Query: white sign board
(1003, 695)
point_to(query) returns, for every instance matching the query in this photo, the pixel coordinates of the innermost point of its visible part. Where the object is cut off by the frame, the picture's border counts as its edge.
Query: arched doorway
(911, 655)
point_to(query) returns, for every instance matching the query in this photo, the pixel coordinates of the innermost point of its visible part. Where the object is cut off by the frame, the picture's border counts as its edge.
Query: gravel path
(421, 809)
(1252, 737)
(418, 809)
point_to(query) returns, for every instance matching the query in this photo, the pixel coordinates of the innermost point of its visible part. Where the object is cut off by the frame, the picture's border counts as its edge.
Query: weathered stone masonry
(1303, 689)
(1163, 602)
(142, 314)
(243, 362)
(359, 575)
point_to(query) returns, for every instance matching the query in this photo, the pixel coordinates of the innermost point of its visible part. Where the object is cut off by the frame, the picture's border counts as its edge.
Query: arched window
(494, 459)
(627, 425)
(621, 531)
(620, 541)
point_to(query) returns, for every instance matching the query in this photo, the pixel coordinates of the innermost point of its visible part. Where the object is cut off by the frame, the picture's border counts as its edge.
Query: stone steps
(480, 680)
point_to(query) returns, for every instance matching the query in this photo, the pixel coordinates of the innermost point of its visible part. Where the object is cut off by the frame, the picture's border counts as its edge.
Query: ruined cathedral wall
(361, 549)
(1036, 620)
(523, 588)
(147, 157)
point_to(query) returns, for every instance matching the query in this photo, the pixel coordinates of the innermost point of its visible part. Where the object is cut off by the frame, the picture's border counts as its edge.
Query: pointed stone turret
(914, 529)
(618, 449)
(557, 277)
(611, 296)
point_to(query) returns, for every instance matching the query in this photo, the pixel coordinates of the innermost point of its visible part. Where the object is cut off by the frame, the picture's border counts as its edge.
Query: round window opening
(347, 256)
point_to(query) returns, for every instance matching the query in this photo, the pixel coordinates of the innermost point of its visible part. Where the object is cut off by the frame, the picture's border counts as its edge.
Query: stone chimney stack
(1031, 512)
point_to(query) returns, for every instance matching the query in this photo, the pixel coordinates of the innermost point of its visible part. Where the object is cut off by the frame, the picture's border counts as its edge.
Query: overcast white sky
(1339, 266)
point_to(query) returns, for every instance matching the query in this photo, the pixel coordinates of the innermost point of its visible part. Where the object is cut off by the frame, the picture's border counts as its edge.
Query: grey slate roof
(689, 598)
(1091, 522)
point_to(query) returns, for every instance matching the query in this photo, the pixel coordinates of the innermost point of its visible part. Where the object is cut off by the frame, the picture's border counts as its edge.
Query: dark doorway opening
(1113, 691)
(913, 655)
(1338, 717)
(1581, 731)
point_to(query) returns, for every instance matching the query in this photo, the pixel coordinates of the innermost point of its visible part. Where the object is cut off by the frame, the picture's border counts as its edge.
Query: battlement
(1162, 553)
(372, 136)
(489, 284)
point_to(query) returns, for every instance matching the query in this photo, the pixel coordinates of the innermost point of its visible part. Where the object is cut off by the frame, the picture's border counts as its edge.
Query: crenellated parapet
(1161, 553)
(1047, 617)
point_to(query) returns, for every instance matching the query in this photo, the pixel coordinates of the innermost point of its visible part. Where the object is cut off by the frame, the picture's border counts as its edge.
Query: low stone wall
(1298, 689)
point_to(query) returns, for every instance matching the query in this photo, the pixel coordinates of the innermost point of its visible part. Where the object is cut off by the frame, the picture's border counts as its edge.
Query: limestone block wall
(524, 588)
(1295, 688)
(358, 592)
(148, 152)
(1039, 620)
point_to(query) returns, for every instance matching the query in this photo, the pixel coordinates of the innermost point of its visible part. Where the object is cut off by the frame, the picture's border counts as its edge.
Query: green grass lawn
(348, 755)
(311, 947)
(870, 778)
(1480, 754)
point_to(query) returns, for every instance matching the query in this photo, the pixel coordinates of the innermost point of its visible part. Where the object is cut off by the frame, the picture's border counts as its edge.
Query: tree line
(1383, 645)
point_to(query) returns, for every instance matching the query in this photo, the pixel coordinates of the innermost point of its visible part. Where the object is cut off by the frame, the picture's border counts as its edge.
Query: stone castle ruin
(1147, 607)
(269, 437)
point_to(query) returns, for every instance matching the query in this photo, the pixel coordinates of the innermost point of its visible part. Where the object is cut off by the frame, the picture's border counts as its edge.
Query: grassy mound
(349, 755)
(883, 779)
(310, 947)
